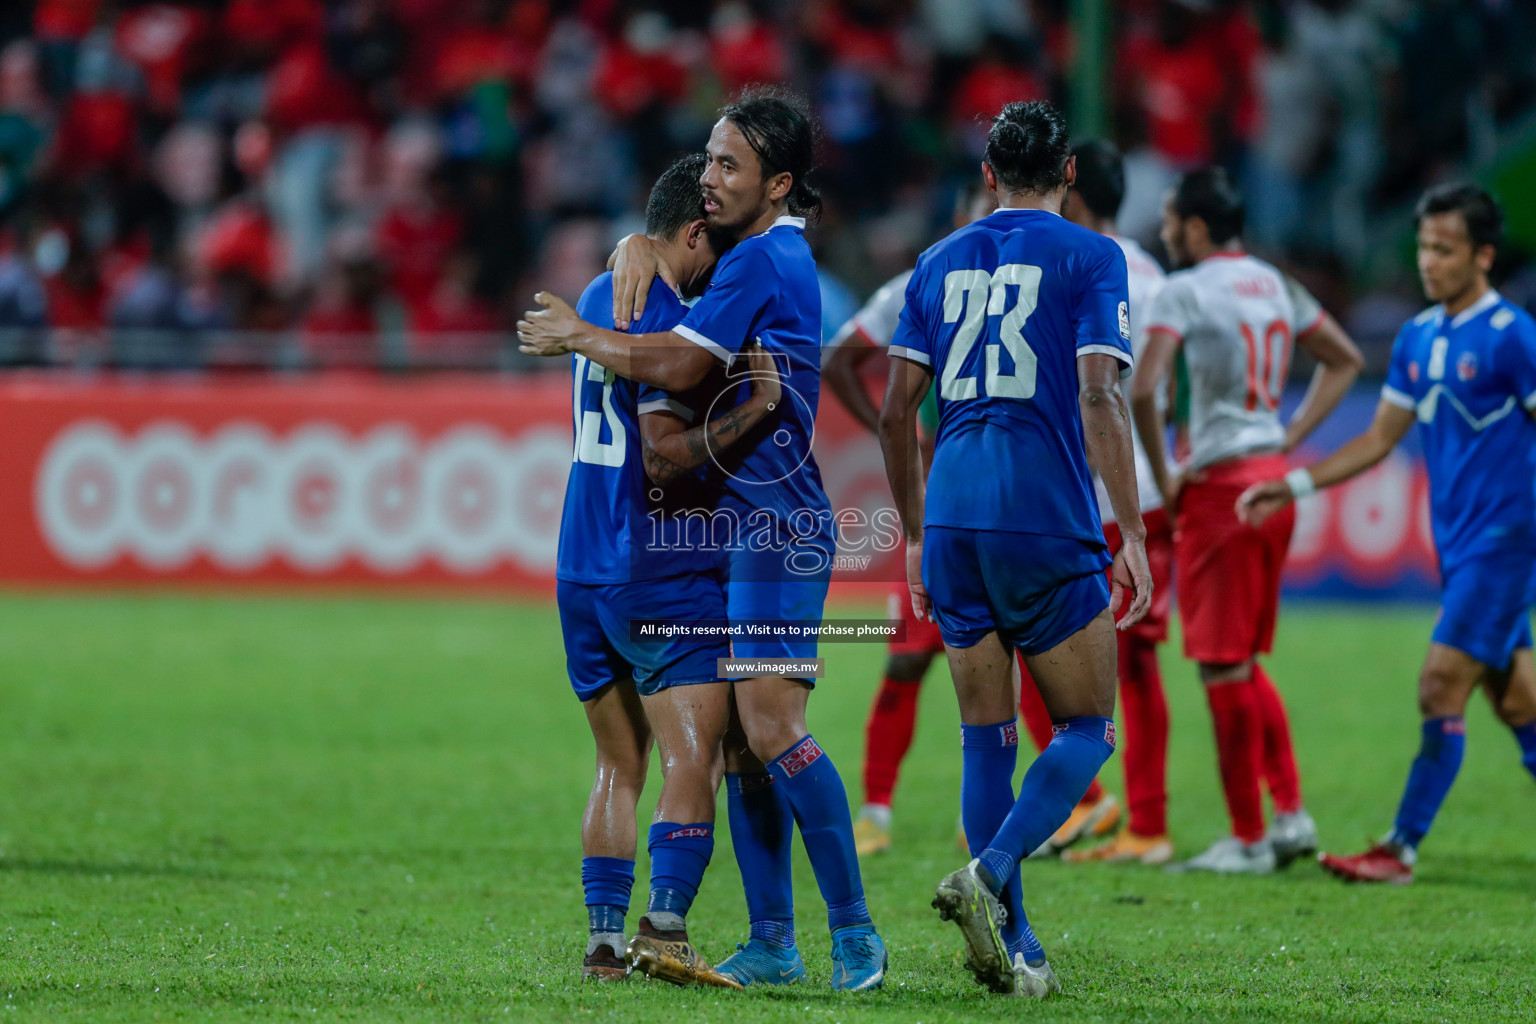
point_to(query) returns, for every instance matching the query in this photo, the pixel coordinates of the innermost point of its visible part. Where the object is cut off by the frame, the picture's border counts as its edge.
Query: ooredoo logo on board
(469, 499)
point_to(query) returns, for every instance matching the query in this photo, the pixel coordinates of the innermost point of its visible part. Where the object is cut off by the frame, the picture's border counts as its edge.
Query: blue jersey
(1471, 380)
(610, 530)
(1000, 310)
(766, 290)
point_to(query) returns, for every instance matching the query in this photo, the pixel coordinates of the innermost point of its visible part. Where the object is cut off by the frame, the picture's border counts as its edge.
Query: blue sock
(1052, 787)
(679, 855)
(607, 882)
(820, 805)
(1525, 735)
(762, 829)
(988, 756)
(1429, 780)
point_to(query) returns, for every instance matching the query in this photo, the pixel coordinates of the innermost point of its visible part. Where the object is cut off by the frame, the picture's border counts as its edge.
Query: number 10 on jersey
(970, 298)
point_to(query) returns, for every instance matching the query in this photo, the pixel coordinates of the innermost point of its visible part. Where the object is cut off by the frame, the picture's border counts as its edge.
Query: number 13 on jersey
(971, 297)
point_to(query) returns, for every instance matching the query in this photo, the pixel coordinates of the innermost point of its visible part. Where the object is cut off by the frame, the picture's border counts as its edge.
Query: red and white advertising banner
(447, 482)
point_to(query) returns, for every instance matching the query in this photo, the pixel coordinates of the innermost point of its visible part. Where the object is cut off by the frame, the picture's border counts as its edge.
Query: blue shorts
(1484, 606)
(1034, 591)
(758, 586)
(599, 649)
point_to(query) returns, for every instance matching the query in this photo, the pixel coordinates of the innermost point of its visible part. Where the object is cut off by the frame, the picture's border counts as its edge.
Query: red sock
(887, 737)
(1239, 737)
(1145, 747)
(1279, 763)
(1038, 721)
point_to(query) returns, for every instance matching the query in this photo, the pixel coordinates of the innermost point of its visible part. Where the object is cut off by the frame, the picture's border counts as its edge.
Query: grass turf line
(218, 808)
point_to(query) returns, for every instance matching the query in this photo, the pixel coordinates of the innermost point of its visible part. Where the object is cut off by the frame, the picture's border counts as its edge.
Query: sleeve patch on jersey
(1125, 321)
(1395, 397)
(913, 354)
(1502, 319)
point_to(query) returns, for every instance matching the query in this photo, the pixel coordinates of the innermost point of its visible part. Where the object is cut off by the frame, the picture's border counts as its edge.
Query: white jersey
(1143, 278)
(1236, 318)
(876, 320)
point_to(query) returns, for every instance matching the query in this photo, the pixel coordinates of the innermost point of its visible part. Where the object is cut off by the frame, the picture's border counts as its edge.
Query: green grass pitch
(261, 808)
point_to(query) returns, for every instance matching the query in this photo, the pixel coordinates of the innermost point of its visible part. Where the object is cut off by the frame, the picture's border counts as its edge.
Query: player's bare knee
(1440, 694)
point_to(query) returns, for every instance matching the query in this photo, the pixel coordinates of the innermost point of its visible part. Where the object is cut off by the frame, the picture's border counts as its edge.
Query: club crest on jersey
(1413, 372)
(801, 757)
(1125, 321)
(1466, 366)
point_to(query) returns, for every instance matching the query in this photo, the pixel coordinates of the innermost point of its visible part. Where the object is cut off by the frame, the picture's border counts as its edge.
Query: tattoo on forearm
(694, 447)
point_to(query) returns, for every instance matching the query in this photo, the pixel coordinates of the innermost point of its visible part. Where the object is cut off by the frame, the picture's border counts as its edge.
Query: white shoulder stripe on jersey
(902, 352)
(671, 405)
(699, 339)
(1396, 397)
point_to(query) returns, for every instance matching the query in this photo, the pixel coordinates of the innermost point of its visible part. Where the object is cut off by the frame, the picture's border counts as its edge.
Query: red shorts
(1154, 626)
(922, 637)
(1229, 574)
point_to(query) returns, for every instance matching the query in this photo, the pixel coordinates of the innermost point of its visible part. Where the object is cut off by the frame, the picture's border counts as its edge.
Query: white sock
(877, 813)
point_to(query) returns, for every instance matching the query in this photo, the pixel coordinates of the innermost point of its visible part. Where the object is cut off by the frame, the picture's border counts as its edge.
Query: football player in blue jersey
(614, 566)
(1465, 369)
(776, 562)
(1023, 319)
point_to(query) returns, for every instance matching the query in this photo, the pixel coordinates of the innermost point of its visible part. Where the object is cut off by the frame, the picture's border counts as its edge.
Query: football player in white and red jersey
(1235, 319)
(1094, 201)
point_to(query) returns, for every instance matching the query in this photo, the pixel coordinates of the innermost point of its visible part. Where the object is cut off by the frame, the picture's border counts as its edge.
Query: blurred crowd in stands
(386, 182)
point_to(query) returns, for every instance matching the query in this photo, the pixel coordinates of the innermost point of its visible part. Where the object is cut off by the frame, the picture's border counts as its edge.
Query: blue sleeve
(1102, 320)
(596, 303)
(911, 339)
(1398, 389)
(722, 321)
(1517, 360)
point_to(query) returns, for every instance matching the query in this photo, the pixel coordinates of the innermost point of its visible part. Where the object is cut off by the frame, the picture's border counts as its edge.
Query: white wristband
(1300, 482)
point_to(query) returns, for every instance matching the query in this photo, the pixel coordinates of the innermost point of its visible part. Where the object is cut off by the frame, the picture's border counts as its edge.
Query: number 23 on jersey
(971, 298)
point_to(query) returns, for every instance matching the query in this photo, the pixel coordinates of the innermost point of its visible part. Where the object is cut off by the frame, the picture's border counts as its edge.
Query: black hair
(1027, 147)
(779, 127)
(676, 199)
(1485, 220)
(1100, 177)
(1210, 195)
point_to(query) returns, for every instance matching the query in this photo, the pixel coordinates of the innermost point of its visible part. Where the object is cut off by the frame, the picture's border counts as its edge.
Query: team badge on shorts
(1109, 733)
(1125, 321)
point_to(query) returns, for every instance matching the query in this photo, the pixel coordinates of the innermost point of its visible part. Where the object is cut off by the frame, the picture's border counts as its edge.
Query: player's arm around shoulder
(672, 446)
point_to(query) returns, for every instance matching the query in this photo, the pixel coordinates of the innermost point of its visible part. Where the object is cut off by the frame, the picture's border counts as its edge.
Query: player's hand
(921, 606)
(635, 263)
(1175, 489)
(1263, 500)
(1131, 571)
(548, 331)
(767, 388)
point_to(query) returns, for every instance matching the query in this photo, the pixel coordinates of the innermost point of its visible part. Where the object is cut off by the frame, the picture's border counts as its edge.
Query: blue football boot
(763, 963)
(858, 959)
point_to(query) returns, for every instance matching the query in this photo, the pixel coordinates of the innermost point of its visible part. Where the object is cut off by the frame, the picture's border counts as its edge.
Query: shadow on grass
(124, 869)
